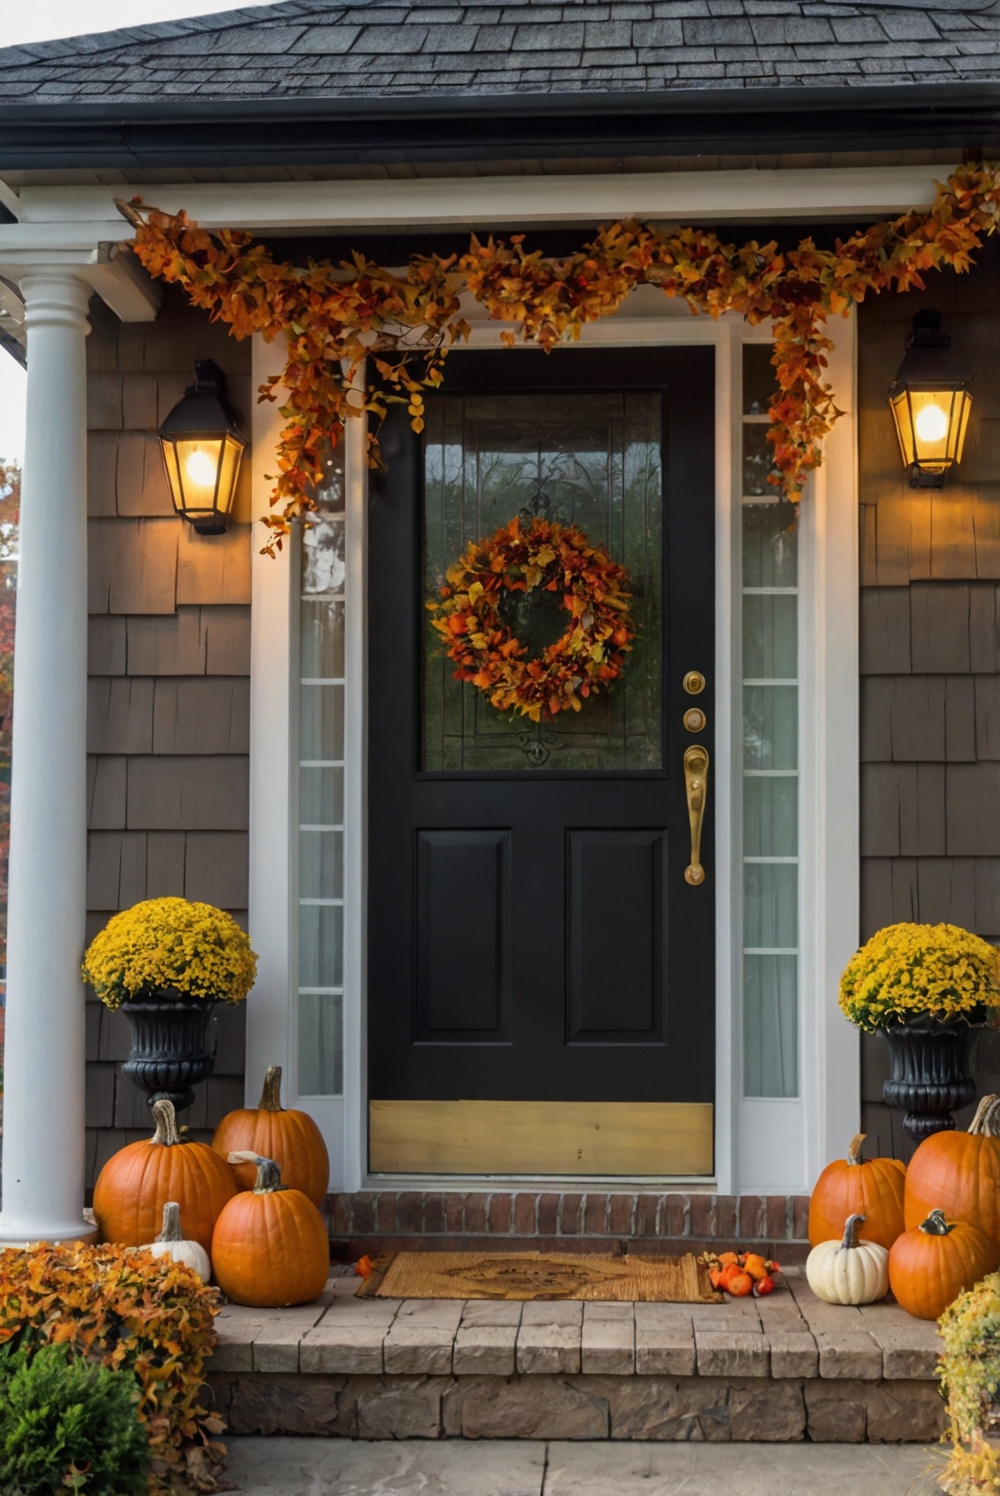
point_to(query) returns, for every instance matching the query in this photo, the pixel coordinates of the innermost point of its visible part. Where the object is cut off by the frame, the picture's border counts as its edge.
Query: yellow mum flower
(908, 969)
(197, 949)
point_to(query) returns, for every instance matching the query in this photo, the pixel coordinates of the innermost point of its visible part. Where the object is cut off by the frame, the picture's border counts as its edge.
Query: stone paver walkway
(792, 1334)
(337, 1467)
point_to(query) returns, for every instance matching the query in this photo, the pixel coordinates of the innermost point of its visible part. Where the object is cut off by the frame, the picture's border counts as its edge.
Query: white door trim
(270, 1036)
(830, 850)
(780, 1145)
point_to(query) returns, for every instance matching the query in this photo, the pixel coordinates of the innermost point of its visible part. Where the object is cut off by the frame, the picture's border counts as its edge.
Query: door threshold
(546, 1183)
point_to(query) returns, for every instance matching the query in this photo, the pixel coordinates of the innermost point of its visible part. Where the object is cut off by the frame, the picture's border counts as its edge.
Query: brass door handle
(696, 785)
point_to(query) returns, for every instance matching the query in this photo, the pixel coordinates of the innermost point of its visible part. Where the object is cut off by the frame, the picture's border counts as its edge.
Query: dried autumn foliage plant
(127, 1310)
(337, 318)
(969, 1369)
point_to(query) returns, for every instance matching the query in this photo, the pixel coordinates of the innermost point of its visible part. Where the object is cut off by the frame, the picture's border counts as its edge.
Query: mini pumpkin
(270, 1247)
(849, 1271)
(137, 1181)
(290, 1137)
(871, 1188)
(171, 1243)
(960, 1173)
(931, 1264)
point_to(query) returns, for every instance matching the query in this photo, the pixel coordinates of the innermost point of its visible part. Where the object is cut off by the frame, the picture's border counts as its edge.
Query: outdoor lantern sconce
(930, 402)
(202, 448)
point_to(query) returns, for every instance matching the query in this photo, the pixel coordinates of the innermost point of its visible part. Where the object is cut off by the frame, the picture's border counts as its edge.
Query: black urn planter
(169, 1053)
(931, 1062)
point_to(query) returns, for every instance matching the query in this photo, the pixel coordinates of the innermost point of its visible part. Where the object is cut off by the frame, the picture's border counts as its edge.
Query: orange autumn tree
(339, 318)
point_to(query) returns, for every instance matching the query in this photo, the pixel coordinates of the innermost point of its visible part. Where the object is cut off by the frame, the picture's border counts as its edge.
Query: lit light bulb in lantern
(931, 424)
(201, 468)
(202, 448)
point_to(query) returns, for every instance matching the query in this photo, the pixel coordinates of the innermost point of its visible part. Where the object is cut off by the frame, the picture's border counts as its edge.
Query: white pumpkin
(171, 1243)
(849, 1271)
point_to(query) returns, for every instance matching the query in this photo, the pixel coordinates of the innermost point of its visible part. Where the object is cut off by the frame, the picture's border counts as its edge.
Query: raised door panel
(463, 920)
(617, 922)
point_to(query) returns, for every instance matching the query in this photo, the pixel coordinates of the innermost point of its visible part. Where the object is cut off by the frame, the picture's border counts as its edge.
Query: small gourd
(849, 1271)
(171, 1243)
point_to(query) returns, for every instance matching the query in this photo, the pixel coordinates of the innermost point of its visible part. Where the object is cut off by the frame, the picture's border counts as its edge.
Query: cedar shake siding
(930, 657)
(169, 688)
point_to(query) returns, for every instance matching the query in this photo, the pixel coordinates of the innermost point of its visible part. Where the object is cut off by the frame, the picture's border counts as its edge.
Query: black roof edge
(360, 128)
(16, 350)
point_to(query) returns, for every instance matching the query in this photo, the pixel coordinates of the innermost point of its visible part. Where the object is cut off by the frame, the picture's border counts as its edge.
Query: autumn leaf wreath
(588, 655)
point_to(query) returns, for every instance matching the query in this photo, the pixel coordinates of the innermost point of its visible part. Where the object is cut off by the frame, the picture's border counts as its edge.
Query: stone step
(449, 1467)
(784, 1368)
(462, 1220)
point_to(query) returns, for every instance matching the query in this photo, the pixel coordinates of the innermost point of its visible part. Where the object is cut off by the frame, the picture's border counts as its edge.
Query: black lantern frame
(930, 400)
(202, 450)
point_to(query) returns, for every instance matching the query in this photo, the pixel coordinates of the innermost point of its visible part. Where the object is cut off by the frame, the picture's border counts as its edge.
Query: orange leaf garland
(338, 318)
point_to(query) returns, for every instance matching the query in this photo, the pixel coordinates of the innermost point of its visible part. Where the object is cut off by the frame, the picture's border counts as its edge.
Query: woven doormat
(539, 1275)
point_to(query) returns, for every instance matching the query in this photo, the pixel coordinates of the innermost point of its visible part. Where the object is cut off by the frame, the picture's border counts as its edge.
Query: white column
(43, 1144)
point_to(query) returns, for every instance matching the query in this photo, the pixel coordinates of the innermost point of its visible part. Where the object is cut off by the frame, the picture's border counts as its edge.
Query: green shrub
(69, 1425)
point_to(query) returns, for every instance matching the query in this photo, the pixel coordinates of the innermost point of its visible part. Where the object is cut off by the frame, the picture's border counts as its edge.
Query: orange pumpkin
(270, 1246)
(291, 1138)
(139, 1180)
(960, 1172)
(931, 1264)
(853, 1186)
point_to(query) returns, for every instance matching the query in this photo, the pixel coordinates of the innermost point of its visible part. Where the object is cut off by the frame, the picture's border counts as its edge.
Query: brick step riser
(497, 1220)
(349, 1249)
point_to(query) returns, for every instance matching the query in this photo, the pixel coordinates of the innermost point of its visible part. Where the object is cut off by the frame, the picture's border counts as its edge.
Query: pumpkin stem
(936, 1225)
(852, 1226)
(986, 1122)
(166, 1124)
(171, 1223)
(270, 1097)
(268, 1173)
(854, 1151)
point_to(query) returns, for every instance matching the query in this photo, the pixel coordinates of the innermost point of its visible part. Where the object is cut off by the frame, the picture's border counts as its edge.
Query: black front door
(532, 934)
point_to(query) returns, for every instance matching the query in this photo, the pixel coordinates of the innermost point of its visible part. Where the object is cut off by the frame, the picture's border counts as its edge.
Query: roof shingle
(319, 49)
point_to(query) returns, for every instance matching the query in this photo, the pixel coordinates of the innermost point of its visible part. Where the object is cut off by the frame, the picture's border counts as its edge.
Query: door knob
(696, 786)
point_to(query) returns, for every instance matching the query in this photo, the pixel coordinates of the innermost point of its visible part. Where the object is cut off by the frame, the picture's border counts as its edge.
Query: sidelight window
(770, 602)
(321, 794)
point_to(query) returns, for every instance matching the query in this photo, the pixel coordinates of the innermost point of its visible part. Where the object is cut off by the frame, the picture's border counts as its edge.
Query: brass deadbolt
(695, 719)
(694, 683)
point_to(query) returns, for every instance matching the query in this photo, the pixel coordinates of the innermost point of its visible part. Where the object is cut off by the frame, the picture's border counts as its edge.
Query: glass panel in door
(593, 460)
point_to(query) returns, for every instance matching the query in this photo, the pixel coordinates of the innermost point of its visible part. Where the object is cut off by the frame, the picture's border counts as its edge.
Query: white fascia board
(874, 191)
(69, 234)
